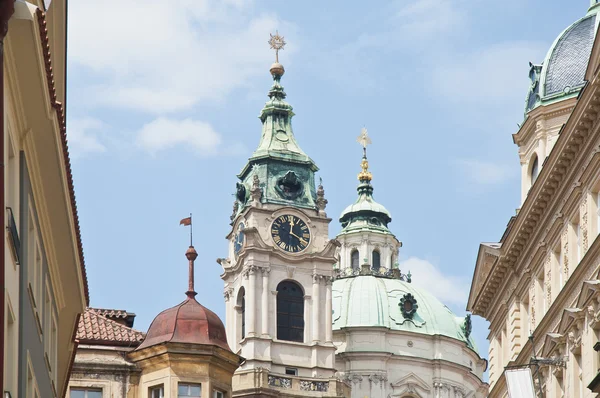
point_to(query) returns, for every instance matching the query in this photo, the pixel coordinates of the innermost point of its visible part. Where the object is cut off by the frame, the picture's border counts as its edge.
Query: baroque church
(539, 286)
(305, 315)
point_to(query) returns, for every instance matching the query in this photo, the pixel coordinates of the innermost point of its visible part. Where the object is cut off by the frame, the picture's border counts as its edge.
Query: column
(265, 302)
(228, 323)
(307, 319)
(251, 303)
(316, 307)
(328, 311)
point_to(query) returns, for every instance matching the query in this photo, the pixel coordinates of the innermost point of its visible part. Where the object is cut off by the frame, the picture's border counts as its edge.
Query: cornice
(543, 111)
(544, 198)
(60, 116)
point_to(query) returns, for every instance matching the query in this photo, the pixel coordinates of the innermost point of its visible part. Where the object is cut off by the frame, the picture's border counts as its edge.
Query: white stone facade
(251, 280)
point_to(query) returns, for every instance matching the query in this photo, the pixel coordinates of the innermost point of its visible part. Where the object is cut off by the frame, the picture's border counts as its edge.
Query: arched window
(535, 169)
(376, 260)
(354, 259)
(241, 303)
(290, 312)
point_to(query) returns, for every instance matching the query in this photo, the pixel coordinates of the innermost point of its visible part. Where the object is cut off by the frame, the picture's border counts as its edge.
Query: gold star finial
(364, 140)
(277, 43)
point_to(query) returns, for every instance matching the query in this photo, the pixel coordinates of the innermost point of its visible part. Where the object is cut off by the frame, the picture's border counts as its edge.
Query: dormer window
(535, 169)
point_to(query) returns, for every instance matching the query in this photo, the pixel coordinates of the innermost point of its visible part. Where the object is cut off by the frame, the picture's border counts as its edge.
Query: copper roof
(94, 328)
(188, 322)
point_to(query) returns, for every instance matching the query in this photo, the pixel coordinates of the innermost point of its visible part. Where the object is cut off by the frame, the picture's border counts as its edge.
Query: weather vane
(277, 43)
(364, 139)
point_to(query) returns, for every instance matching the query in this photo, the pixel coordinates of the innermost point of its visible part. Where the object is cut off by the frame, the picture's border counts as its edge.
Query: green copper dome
(562, 74)
(365, 213)
(371, 301)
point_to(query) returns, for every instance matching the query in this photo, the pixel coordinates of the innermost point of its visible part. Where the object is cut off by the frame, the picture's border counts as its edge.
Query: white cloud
(492, 75)
(485, 173)
(428, 18)
(163, 134)
(82, 136)
(448, 289)
(159, 56)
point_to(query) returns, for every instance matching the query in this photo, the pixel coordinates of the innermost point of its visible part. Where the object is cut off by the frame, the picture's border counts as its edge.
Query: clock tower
(279, 270)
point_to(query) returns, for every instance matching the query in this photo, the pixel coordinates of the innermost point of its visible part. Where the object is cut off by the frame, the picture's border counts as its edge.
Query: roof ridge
(94, 326)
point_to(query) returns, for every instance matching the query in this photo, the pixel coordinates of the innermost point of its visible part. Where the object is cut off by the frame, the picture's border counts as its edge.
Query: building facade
(542, 278)
(183, 354)
(45, 288)
(394, 339)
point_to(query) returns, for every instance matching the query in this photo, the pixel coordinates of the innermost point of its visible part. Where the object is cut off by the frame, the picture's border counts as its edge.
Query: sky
(162, 113)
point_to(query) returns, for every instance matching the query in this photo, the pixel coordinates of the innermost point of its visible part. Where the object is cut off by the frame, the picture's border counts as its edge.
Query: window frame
(86, 390)
(355, 259)
(376, 254)
(287, 331)
(189, 386)
(158, 387)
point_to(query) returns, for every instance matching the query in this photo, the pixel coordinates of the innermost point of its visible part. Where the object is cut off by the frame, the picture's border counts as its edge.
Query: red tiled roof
(97, 329)
(58, 106)
(112, 314)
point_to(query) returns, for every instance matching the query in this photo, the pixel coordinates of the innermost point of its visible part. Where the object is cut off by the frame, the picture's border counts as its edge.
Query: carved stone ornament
(321, 201)
(236, 206)
(408, 306)
(289, 186)
(309, 385)
(280, 382)
(255, 191)
(240, 193)
(467, 326)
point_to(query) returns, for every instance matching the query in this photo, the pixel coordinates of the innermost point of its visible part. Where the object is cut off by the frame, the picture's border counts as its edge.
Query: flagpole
(191, 233)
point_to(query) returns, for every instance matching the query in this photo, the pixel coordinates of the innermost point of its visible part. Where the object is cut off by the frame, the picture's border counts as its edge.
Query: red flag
(186, 221)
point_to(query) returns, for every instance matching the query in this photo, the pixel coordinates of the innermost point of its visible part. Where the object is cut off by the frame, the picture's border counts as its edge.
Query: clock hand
(293, 234)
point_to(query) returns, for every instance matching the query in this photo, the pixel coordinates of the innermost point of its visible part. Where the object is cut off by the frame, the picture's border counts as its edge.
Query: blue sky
(163, 99)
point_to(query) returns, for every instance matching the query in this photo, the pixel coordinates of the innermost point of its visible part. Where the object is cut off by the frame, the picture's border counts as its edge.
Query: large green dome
(374, 301)
(562, 74)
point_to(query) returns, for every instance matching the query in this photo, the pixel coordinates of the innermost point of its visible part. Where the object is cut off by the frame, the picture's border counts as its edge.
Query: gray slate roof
(569, 60)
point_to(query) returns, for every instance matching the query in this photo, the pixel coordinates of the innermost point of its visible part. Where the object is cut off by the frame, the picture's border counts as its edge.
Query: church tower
(279, 270)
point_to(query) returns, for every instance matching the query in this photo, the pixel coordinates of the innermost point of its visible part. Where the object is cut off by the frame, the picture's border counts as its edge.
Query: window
(218, 394)
(189, 390)
(376, 260)
(157, 392)
(534, 169)
(354, 257)
(290, 312)
(291, 371)
(86, 393)
(241, 305)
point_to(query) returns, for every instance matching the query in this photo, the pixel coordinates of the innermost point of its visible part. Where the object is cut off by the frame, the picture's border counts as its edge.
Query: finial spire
(364, 140)
(277, 43)
(191, 254)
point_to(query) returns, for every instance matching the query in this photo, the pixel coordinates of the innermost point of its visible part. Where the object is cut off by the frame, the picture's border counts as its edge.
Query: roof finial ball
(277, 43)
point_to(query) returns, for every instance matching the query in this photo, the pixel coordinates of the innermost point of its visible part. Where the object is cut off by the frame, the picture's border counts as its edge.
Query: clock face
(238, 240)
(290, 233)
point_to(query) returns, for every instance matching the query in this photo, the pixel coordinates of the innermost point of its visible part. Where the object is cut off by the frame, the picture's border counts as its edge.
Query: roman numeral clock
(290, 233)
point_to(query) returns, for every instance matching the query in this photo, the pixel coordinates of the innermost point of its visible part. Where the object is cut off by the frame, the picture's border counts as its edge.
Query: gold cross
(364, 139)
(277, 43)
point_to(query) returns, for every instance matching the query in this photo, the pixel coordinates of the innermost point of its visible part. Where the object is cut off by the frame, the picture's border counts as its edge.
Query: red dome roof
(188, 322)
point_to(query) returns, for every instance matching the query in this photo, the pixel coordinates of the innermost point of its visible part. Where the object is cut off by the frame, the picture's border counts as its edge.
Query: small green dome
(370, 301)
(365, 213)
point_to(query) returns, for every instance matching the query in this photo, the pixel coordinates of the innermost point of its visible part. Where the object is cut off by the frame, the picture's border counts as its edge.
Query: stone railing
(367, 269)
